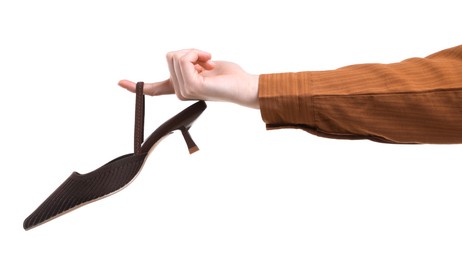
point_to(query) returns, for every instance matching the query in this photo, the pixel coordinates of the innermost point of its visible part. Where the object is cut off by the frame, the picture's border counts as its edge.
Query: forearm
(413, 101)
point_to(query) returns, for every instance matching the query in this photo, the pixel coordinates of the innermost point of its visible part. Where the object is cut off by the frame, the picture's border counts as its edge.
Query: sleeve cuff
(285, 99)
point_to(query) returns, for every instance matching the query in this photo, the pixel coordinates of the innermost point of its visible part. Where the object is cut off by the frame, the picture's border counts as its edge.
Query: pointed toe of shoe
(80, 189)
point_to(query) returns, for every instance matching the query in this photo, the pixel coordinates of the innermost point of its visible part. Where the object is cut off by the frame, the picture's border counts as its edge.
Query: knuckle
(183, 59)
(178, 55)
(180, 96)
(169, 55)
(188, 93)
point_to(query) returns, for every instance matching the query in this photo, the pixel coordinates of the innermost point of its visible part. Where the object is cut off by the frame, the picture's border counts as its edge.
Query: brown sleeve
(418, 100)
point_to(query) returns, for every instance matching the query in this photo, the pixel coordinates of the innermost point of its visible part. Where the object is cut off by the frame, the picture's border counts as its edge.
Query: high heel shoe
(81, 189)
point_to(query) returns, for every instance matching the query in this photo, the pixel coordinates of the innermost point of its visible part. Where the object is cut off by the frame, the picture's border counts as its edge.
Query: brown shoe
(81, 189)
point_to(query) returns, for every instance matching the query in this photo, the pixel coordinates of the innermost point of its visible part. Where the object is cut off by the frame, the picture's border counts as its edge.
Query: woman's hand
(193, 75)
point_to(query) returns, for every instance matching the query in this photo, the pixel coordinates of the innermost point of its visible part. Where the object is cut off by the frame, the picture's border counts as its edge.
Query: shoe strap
(139, 117)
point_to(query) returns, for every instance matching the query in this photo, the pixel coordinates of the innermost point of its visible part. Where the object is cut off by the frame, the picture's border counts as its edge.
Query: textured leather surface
(184, 119)
(79, 189)
(139, 117)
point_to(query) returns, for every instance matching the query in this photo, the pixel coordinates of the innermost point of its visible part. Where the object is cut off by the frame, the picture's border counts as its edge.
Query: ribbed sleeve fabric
(418, 100)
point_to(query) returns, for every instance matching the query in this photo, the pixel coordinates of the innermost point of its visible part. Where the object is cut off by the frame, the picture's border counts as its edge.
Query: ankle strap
(139, 117)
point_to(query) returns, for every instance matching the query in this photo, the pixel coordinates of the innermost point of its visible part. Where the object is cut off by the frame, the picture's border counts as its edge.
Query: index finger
(152, 89)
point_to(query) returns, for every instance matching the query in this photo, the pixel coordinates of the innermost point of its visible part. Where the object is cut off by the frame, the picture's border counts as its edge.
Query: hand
(193, 75)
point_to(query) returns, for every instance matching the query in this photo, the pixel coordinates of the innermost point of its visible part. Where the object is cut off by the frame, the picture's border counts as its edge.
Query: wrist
(253, 91)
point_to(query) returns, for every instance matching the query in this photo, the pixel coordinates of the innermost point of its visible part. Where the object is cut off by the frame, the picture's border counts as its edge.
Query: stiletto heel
(80, 189)
(192, 147)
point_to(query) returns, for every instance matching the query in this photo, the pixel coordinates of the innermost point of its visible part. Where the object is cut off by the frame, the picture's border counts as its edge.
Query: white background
(249, 193)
